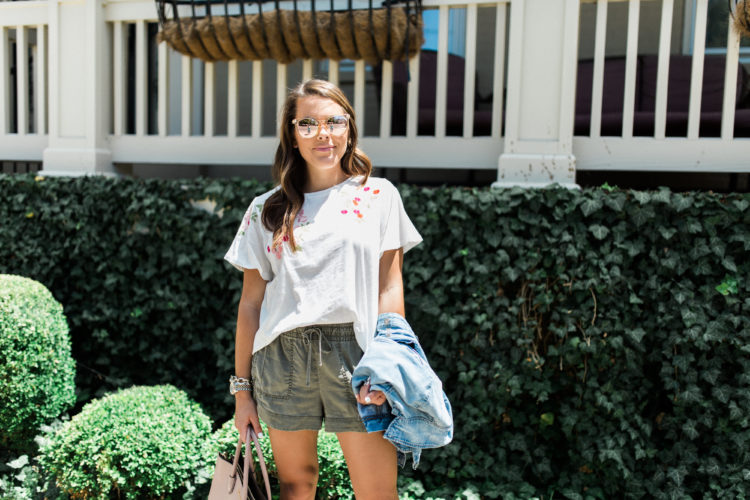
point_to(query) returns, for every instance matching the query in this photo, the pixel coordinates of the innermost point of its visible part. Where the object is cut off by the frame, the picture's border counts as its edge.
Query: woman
(321, 255)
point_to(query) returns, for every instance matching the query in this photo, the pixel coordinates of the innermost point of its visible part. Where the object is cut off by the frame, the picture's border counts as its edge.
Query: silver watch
(237, 384)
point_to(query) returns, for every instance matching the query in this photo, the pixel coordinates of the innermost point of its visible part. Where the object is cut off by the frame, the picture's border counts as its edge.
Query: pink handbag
(224, 485)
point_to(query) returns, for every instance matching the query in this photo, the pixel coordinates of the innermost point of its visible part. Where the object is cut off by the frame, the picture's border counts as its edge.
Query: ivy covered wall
(594, 344)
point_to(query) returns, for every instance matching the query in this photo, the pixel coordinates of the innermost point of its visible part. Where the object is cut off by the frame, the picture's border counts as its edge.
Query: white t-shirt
(333, 277)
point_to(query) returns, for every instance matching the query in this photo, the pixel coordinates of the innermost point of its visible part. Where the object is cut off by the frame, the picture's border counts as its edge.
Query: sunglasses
(310, 127)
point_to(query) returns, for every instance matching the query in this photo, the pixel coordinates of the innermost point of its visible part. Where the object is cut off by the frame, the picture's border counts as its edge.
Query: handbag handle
(249, 464)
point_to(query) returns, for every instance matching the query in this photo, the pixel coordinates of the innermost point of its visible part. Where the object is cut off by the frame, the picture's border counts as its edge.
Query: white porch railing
(205, 147)
(169, 112)
(23, 96)
(659, 152)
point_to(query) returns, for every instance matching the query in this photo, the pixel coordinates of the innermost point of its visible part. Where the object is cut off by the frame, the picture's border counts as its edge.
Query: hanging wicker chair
(740, 11)
(222, 30)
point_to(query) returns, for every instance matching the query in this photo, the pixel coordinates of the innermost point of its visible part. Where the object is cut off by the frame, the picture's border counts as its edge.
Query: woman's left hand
(368, 397)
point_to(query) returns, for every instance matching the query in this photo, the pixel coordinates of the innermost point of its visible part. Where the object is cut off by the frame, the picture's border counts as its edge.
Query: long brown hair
(289, 168)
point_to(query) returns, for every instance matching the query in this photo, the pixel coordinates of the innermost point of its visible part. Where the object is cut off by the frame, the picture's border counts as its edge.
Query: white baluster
(163, 89)
(141, 77)
(22, 80)
(386, 99)
(187, 95)
(257, 104)
(597, 82)
(441, 82)
(696, 75)
(498, 76)
(40, 84)
(209, 99)
(471, 68)
(232, 98)
(359, 95)
(120, 77)
(631, 57)
(412, 98)
(730, 83)
(662, 72)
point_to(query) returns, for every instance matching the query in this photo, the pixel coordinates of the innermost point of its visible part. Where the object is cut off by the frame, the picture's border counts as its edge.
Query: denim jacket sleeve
(417, 414)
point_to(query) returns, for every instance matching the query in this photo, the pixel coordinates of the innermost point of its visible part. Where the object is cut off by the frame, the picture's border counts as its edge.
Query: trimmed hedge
(36, 368)
(593, 343)
(141, 442)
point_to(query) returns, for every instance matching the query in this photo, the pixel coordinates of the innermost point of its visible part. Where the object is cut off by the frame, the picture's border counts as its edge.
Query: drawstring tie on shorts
(307, 338)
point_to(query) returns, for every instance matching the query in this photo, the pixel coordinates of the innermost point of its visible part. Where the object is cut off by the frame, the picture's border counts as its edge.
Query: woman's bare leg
(296, 456)
(372, 464)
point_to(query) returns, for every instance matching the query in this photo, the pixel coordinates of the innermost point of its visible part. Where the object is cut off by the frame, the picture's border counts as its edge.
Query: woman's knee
(296, 458)
(300, 488)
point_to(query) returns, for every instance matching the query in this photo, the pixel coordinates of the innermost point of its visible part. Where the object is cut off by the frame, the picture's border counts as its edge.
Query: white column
(79, 90)
(539, 120)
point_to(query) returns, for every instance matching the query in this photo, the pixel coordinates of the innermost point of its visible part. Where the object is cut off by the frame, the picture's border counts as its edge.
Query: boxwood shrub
(593, 343)
(36, 368)
(137, 443)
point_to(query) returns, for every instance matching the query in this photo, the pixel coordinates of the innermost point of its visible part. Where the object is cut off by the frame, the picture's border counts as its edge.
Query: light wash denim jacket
(417, 414)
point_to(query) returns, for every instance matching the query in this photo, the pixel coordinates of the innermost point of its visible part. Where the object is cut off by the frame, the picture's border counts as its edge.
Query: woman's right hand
(245, 413)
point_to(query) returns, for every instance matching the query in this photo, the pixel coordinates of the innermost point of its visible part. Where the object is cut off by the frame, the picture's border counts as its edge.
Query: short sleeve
(248, 248)
(397, 230)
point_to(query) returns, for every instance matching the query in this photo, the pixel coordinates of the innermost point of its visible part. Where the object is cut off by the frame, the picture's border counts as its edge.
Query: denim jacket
(417, 414)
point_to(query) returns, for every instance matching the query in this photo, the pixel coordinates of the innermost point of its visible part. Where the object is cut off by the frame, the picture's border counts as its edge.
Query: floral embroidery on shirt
(257, 211)
(360, 203)
(299, 222)
(250, 216)
(276, 250)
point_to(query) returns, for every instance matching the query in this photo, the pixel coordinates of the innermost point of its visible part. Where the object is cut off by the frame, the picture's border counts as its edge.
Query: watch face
(231, 389)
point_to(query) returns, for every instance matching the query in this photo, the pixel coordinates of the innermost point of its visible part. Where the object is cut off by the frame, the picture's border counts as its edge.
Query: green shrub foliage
(593, 343)
(137, 443)
(139, 268)
(37, 370)
(333, 476)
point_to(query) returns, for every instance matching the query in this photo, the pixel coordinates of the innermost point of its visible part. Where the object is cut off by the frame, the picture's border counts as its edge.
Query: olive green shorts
(304, 377)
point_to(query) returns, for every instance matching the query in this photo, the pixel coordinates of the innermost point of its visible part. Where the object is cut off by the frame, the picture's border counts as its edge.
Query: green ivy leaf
(689, 429)
(681, 202)
(662, 195)
(591, 205)
(741, 204)
(667, 232)
(636, 334)
(694, 226)
(721, 393)
(633, 299)
(680, 296)
(616, 201)
(642, 215)
(599, 232)
(642, 197)
(546, 419)
(728, 286)
(677, 475)
(729, 265)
